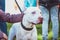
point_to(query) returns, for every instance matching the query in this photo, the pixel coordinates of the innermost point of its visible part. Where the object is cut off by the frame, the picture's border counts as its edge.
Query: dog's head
(33, 15)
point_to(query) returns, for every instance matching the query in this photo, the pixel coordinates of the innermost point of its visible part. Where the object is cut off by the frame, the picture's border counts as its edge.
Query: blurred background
(39, 26)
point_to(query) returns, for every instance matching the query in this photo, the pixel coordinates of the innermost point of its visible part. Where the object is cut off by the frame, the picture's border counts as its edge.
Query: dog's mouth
(40, 20)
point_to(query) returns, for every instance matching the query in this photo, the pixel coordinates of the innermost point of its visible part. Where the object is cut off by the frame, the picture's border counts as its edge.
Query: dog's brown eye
(40, 12)
(33, 12)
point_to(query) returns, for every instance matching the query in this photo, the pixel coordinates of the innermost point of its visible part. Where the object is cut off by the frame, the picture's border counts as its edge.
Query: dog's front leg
(11, 33)
(34, 33)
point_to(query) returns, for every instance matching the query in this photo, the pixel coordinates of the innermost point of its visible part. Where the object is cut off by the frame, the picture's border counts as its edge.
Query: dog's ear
(29, 10)
(32, 9)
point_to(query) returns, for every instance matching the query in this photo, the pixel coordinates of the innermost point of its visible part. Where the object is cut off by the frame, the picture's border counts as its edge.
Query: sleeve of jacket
(10, 18)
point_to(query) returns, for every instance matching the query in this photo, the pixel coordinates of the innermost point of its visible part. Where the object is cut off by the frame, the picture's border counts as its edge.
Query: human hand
(3, 36)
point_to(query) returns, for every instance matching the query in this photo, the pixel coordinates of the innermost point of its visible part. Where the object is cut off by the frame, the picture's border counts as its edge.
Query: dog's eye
(34, 12)
(40, 12)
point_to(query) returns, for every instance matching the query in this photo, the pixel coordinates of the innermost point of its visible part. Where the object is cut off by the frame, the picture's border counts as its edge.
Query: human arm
(10, 18)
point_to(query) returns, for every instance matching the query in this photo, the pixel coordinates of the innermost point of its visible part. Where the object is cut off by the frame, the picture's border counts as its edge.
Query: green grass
(39, 31)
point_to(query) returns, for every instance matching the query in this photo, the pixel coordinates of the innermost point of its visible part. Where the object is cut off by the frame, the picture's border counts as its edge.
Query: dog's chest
(23, 34)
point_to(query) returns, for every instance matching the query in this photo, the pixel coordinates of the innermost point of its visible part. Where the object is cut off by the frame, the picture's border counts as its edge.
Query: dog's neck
(26, 23)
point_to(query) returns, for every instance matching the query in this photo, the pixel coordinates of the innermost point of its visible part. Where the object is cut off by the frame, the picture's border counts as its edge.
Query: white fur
(28, 19)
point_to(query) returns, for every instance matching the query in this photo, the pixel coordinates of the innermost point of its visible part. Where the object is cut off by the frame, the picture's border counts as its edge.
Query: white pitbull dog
(26, 30)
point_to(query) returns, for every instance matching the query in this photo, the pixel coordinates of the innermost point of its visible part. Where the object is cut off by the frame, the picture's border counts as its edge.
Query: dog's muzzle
(41, 20)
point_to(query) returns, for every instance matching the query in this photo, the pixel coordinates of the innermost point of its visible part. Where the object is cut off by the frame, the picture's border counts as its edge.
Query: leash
(18, 6)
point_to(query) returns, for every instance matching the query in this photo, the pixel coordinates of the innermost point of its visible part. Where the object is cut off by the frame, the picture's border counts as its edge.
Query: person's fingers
(3, 39)
(1, 10)
(5, 36)
(1, 34)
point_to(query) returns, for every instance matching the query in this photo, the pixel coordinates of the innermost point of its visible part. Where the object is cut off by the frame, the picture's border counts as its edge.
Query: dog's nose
(40, 19)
